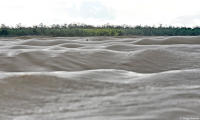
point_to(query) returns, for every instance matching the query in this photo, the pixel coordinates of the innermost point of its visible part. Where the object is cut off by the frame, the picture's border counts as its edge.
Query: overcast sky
(97, 12)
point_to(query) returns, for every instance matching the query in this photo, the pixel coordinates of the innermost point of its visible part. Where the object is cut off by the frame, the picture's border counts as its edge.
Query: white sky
(96, 12)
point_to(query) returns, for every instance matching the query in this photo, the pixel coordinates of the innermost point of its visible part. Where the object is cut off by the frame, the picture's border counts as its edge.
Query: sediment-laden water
(100, 78)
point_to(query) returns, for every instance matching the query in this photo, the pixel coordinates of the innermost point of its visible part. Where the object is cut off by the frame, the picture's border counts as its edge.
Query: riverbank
(88, 30)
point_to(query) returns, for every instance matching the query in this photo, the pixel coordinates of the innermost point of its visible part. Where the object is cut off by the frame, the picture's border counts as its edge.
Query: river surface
(100, 78)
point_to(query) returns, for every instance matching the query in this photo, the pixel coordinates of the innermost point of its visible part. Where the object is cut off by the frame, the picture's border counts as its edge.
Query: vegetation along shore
(70, 30)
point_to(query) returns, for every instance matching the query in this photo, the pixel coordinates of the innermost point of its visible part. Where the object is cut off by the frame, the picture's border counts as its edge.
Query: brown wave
(144, 61)
(169, 41)
(164, 95)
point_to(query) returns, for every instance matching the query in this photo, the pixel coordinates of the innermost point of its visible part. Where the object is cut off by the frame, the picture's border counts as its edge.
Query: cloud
(96, 12)
(91, 10)
(187, 20)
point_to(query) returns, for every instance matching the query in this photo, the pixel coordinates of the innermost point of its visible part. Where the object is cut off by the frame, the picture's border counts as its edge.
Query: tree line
(70, 30)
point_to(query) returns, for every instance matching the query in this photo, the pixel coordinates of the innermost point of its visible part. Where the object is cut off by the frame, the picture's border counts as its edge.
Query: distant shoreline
(74, 30)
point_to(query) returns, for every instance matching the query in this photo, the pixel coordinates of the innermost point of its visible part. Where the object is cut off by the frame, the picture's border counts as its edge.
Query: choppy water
(100, 78)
